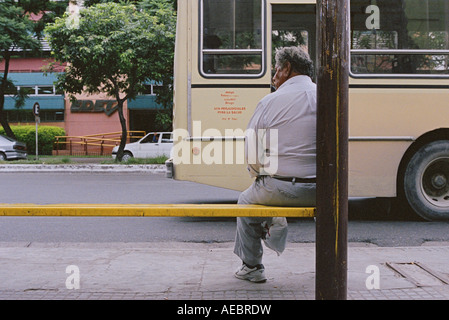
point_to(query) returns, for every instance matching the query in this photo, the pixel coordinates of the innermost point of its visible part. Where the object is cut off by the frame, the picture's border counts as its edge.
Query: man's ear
(288, 68)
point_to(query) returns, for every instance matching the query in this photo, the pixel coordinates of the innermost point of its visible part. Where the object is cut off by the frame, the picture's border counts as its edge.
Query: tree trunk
(121, 147)
(5, 124)
(3, 119)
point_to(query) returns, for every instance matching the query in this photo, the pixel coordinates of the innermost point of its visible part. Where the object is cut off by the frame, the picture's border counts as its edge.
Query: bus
(398, 92)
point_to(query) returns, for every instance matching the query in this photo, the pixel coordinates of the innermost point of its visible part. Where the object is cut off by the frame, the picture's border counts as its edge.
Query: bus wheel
(426, 181)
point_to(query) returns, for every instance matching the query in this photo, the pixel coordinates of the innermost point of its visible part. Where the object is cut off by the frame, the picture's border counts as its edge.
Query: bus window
(231, 38)
(407, 37)
(293, 25)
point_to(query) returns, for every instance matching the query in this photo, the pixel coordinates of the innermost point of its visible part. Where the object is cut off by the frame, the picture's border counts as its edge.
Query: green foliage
(15, 29)
(157, 160)
(164, 120)
(114, 48)
(18, 31)
(46, 137)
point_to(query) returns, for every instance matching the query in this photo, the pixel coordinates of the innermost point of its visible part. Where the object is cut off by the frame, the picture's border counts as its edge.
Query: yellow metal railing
(94, 144)
(155, 210)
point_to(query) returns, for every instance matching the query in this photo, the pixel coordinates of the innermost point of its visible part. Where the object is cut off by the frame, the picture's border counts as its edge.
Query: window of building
(156, 89)
(27, 90)
(45, 90)
(21, 115)
(38, 90)
(150, 89)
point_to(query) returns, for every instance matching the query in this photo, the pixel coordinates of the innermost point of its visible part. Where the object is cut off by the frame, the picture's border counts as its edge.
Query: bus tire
(426, 181)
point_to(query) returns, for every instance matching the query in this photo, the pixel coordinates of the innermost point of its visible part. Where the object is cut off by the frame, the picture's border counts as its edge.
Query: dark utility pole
(332, 149)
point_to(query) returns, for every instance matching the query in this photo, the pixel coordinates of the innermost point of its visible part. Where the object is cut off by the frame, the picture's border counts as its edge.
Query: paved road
(369, 220)
(107, 187)
(160, 258)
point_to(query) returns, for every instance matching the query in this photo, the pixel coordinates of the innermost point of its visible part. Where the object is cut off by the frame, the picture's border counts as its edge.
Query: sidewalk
(204, 271)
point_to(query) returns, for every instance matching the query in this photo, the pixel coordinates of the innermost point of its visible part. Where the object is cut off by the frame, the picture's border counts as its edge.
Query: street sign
(36, 109)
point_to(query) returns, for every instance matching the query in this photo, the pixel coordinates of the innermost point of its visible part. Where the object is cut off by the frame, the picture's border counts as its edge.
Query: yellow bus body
(387, 115)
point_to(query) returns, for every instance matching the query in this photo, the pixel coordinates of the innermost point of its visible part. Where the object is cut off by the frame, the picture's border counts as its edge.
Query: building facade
(89, 114)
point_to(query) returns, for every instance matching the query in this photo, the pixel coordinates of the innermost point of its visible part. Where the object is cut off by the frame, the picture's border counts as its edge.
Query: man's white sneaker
(256, 274)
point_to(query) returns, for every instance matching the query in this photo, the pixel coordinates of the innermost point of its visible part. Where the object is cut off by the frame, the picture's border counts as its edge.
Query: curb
(147, 168)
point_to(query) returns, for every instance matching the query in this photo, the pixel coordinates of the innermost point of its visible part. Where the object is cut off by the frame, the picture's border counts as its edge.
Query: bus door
(293, 25)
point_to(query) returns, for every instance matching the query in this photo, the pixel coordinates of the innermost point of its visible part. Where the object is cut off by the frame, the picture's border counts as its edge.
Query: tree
(115, 48)
(15, 33)
(19, 33)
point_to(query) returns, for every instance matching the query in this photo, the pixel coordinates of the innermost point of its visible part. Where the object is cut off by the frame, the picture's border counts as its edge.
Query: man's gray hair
(298, 58)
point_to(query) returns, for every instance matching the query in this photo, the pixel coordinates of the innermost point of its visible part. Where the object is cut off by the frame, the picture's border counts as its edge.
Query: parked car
(153, 145)
(12, 149)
